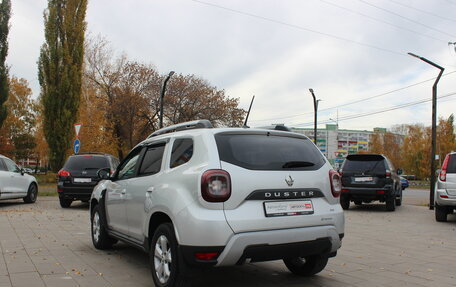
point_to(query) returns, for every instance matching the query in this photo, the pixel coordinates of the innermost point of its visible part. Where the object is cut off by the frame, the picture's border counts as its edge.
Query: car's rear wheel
(441, 213)
(306, 266)
(100, 238)
(345, 203)
(64, 202)
(164, 258)
(391, 203)
(32, 194)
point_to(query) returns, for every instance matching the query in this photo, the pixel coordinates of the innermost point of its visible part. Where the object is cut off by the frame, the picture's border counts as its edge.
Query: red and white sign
(77, 128)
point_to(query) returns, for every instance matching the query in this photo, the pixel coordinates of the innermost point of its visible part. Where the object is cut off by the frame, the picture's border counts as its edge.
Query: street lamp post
(315, 114)
(162, 95)
(434, 126)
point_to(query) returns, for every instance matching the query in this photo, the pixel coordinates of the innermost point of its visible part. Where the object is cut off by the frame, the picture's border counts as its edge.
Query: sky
(352, 53)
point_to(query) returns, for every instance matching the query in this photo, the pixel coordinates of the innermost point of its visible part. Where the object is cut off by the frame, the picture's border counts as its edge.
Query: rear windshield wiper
(295, 164)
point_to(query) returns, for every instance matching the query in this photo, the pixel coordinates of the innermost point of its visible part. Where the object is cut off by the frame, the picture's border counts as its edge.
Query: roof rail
(90, 152)
(199, 124)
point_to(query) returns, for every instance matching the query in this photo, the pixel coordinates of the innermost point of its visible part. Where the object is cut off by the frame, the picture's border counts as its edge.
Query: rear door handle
(150, 189)
(123, 191)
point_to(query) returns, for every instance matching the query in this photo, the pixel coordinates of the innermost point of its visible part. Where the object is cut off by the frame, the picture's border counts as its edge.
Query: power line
(381, 21)
(422, 11)
(299, 27)
(356, 101)
(401, 106)
(406, 18)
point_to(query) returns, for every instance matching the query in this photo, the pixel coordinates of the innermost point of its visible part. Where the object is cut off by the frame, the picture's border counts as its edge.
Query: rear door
(277, 179)
(364, 171)
(451, 175)
(140, 188)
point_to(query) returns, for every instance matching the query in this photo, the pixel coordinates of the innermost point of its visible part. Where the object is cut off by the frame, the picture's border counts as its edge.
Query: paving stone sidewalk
(44, 245)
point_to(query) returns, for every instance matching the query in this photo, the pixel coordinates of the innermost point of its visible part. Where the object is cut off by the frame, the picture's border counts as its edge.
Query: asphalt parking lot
(45, 245)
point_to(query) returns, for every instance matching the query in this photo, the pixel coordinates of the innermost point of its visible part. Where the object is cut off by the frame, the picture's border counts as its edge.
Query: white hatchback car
(195, 196)
(15, 183)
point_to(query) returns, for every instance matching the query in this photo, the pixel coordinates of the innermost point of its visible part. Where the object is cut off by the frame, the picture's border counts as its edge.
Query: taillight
(345, 190)
(388, 174)
(443, 172)
(64, 173)
(336, 184)
(216, 185)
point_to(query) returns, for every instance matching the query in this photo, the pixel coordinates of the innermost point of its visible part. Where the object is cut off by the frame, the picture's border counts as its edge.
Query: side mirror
(104, 173)
(399, 171)
(22, 171)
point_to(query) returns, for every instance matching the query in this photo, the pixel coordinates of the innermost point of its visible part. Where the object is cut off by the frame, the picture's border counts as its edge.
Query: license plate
(82, 180)
(288, 208)
(363, 179)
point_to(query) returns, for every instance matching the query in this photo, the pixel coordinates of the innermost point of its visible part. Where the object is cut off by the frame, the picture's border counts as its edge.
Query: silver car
(15, 183)
(445, 192)
(193, 196)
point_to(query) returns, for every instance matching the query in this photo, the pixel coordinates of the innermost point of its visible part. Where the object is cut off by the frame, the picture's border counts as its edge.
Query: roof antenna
(248, 113)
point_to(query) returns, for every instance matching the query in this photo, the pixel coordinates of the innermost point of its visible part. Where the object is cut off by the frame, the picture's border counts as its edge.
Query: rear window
(268, 152)
(84, 162)
(365, 163)
(451, 168)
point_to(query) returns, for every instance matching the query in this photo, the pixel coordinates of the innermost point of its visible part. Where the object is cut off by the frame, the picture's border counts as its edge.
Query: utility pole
(315, 114)
(162, 95)
(434, 126)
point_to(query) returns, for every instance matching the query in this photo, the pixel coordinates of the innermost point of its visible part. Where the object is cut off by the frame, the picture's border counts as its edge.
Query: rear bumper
(75, 192)
(278, 244)
(363, 193)
(450, 201)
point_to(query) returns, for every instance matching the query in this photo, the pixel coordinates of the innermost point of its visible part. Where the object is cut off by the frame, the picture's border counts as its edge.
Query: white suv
(195, 196)
(15, 183)
(445, 191)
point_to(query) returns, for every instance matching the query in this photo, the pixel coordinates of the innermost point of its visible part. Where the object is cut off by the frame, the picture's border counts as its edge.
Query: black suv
(369, 177)
(78, 176)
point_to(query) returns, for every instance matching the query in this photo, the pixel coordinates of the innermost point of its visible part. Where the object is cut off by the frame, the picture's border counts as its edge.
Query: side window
(182, 152)
(11, 166)
(152, 161)
(128, 167)
(2, 166)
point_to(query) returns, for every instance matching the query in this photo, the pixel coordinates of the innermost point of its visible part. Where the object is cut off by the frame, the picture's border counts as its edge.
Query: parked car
(78, 176)
(404, 183)
(370, 177)
(15, 183)
(445, 191)
(194, 196)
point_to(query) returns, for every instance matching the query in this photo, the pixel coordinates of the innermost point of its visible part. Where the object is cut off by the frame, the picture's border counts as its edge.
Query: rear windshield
(268, 152)
(451, 168)
(84, 162)
(367, 163)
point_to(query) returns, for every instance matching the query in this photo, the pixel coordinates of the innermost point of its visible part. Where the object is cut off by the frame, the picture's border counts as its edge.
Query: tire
(391, 203)
(100, 238)
(65, 203)
(441, 213)
(399, 199)
(345, 203)
(163, 257)
(32, 194)
(307, 266)
(358, 202)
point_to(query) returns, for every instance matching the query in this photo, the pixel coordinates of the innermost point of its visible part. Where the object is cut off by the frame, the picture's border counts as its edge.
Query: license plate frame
(288, 208)
(82, 180)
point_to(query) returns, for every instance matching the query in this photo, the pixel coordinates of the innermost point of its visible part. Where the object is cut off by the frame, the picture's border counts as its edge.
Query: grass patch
(45, 179)
(47, 189)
